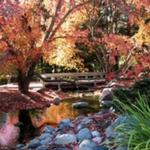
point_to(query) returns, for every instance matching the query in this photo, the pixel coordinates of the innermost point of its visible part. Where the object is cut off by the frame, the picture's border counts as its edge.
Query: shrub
(129, 95)
(136, 135)
(3, 79)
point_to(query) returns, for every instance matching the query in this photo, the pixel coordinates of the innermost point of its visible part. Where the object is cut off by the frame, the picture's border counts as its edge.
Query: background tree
(118, 35)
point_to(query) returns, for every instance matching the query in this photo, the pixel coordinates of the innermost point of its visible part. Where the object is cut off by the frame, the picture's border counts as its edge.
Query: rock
(19, 146)
(61, 148)
(65, 139)
(56, 101)
(80, 126)
(106, 99)
(97, 139)
(45, 141)
(125, 119)
(101, 148)
(95, 133)
(45, 136)
(80, 105)
(48, 129)
(107, 103)
(65, 123)
(106, 94)
(110, 133)
(122, 148)
(87, 145)
(34, 143)
(83, 134)
(42, 148)
(86, 120)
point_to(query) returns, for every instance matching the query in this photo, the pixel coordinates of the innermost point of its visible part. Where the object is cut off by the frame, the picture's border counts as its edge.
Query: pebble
(87, 145)
(97, 139)
(122, 148)
(83, 134)
(44, 136)
(56, 101)
(34, 143)
(48, 129)
(110, 133)
(65, 123)
(18, 146)
(96, 133)
(86, 120)
(65, 139)
(42, 147)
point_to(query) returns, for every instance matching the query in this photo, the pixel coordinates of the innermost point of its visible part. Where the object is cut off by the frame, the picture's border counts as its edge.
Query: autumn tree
(117, 32)
(28, 31)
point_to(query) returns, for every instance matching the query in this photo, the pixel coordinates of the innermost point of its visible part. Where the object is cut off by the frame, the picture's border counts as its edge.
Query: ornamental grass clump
(136, 133)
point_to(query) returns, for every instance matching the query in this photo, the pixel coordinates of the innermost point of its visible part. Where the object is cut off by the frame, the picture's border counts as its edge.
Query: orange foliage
(29, 28)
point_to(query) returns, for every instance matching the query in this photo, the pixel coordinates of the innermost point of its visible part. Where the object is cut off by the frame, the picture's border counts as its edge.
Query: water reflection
(55, 113)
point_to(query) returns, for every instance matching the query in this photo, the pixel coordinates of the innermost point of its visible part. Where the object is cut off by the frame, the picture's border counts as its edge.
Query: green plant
(136, 133)
(129, 95)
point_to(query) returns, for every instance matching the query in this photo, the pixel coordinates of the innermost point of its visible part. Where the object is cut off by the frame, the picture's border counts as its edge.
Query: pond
(65, 110)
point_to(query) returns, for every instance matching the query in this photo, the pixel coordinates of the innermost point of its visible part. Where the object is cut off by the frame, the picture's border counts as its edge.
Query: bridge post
(59, 86)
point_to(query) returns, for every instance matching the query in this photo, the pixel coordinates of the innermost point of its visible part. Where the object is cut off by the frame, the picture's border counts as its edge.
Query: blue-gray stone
(65, 123)
(34, 143)
(122, 148)
(97, 139)
(100, 148)
(80, 126)
(129, 120)
(83, 134)
(65, 139)
(56, 101)
(110, 133)
(18, 146)
(45, 141)
(80, 105)
(96, 133)
(42, 147)
(61, 148)
(87, 145)
(44, 136)
(48, 129)
(23, 148)
(86, 120)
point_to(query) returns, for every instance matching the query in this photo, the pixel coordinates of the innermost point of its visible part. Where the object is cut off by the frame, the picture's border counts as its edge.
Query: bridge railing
(74, 76)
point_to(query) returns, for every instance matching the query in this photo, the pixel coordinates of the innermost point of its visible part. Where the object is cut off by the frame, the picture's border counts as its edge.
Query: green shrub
(129, 95)
(136, 135)
(3, 79)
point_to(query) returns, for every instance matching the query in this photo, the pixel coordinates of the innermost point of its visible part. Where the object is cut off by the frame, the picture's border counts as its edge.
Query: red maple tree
(28, 30)
(111, 32)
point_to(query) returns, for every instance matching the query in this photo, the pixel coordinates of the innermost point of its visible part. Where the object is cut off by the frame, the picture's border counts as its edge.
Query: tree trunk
(24, 79)
(23, 83)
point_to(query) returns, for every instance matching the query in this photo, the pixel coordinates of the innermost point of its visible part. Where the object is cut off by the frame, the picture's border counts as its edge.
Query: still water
(55, 113)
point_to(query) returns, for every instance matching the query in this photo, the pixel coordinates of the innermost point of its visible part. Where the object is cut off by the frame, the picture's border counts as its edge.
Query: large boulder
(106, 98)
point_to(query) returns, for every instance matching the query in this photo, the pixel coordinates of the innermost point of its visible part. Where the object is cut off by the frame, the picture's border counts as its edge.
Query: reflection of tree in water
(27, 130)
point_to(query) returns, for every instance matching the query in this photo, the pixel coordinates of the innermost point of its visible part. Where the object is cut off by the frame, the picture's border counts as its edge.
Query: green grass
(135, 134)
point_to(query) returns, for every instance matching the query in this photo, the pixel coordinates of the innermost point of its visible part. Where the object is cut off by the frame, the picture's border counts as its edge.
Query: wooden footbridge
(66, 81)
